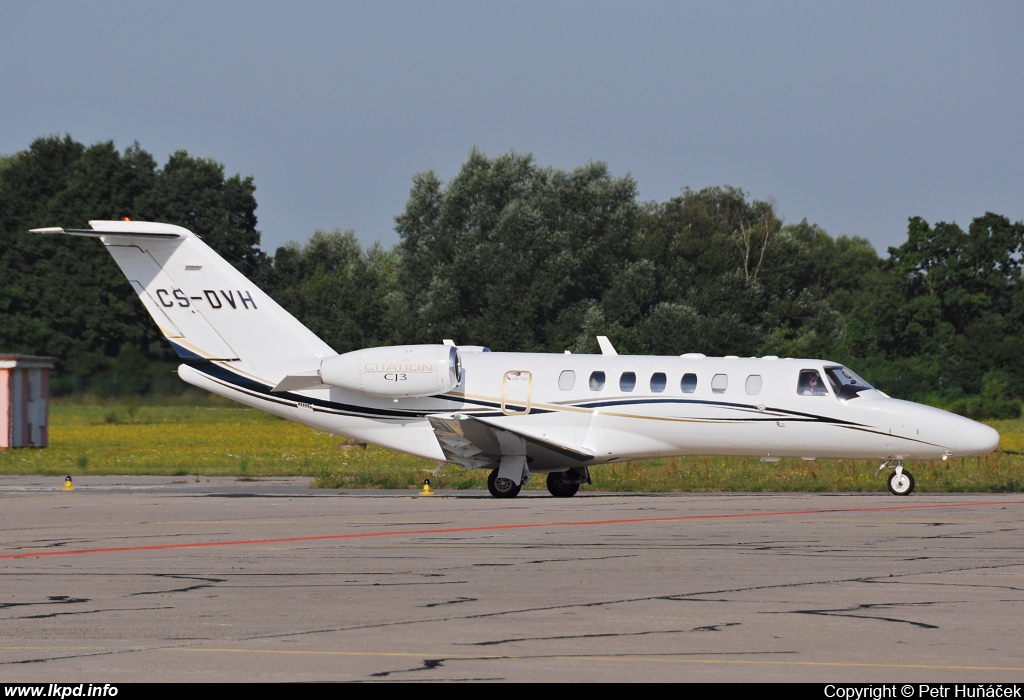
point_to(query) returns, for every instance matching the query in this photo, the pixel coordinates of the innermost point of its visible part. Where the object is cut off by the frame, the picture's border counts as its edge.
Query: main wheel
(902, 486)
(501, 487)
(560, 486)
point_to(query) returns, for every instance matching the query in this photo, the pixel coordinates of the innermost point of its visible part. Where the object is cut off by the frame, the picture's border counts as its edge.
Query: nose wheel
(901, 482)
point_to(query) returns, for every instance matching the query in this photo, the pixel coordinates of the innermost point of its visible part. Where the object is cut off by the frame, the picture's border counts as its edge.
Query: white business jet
(515, 413)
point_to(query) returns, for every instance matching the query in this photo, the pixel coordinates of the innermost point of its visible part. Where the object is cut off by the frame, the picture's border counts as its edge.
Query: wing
(476, 442)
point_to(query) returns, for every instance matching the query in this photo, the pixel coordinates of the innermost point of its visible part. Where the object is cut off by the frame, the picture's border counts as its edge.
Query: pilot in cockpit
(811, 384)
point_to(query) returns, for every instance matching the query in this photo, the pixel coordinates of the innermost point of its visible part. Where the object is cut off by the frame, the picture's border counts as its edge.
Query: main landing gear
(560, 484)
(501, 487)
(901, 482)
(567, 483)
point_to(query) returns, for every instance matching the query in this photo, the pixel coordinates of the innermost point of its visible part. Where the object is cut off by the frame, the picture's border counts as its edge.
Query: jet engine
(397, 371)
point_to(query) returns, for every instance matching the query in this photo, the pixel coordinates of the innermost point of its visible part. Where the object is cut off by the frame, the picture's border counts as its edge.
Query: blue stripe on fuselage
(227, 376)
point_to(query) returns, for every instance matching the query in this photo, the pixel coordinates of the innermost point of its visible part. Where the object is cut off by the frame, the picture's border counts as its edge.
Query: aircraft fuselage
(728, 406)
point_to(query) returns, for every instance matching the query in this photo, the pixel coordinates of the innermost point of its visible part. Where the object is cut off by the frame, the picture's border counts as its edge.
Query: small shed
(24, 400)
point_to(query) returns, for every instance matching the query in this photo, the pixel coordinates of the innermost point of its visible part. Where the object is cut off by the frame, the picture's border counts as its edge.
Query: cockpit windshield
(846, 384)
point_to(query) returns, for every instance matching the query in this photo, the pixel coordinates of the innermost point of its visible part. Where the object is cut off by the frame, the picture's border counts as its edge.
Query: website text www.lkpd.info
(60, 690)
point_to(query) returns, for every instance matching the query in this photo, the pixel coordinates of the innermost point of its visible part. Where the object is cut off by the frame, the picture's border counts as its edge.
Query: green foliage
(209, 437)
(65, 296)
(731, 279)
(508, 253)
(994, 402)
(517, 256)
(193, 193)
(339, 290)
(948, 311)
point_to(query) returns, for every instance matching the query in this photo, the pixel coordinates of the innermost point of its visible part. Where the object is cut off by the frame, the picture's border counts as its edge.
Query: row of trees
(521, 257)
(66, 297)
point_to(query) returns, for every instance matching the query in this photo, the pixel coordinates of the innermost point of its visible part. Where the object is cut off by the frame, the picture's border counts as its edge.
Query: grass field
(215, 438)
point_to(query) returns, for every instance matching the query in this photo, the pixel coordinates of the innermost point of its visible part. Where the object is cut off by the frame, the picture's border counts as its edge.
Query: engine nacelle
(397, 371)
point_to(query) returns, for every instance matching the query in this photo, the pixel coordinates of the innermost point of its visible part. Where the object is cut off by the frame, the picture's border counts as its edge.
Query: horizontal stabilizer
(92, 233)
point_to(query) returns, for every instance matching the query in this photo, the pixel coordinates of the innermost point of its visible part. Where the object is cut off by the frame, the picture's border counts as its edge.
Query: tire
(502, 488)
(901, 487)
(560, 487)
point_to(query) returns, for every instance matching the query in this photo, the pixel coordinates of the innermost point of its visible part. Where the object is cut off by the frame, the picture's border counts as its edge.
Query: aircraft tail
(207, 309)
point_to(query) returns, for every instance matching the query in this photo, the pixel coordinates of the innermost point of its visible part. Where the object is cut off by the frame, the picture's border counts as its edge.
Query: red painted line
(488, 528)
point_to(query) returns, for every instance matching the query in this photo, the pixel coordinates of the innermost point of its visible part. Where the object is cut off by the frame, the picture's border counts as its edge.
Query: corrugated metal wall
(24, 401)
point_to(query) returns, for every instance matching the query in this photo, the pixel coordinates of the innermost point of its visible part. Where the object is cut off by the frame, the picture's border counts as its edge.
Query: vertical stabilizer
(206, 308)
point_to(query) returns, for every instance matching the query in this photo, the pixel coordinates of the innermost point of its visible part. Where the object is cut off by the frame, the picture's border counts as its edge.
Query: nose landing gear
(901, 482)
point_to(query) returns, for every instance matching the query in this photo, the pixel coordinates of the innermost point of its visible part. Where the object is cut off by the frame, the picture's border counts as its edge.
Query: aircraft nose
(975, 439)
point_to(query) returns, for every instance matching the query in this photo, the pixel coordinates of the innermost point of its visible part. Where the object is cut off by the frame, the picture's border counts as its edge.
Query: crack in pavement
(703, 628)
(85, 655)
(460, 599)
(85, 612)
(577, 560)
(694, 596)
(957, 585)
(51, 600)
(428, 664)
(207, 582)
(848, 612)
(570, 606)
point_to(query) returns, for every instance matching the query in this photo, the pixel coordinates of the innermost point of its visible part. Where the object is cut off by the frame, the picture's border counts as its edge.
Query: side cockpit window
(810, 384)
(846, 384)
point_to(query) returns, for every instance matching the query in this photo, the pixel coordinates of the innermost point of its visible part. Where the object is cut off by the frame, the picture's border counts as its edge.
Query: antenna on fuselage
(606, 345)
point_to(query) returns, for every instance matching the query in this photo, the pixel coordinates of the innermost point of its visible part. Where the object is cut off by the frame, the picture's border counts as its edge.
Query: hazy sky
(854, 115)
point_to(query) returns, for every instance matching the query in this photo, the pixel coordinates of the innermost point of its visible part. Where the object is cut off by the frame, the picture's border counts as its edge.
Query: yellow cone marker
(426, 488)
(68, 486)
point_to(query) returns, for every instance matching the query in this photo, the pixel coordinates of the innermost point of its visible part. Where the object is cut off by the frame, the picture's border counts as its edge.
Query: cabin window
(719, 383)
(689, 383)
(627, 382)
(566, 380)
(810, 383)
(597, 381)
(658, 382)
(753, 385)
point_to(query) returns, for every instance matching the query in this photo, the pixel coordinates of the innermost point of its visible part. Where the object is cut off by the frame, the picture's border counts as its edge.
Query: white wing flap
(475, 442)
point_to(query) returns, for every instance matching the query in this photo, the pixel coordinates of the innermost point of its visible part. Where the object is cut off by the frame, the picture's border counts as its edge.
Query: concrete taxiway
(170, 579)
